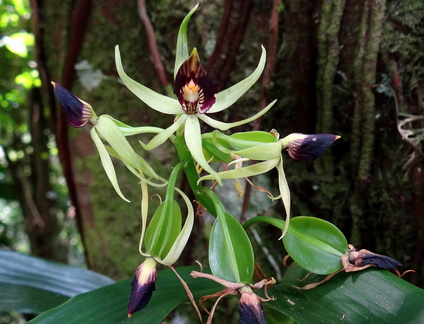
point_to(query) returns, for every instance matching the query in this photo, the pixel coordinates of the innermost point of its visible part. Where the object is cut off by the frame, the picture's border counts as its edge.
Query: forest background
(347, 67)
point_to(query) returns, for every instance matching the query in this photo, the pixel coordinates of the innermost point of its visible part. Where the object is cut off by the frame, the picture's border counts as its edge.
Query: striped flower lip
(194, 86)
(78, 112)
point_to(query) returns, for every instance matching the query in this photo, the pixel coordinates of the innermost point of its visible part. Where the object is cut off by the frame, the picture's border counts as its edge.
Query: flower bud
(143, 286)
(250, 307)
(78, 112)
(307, 147)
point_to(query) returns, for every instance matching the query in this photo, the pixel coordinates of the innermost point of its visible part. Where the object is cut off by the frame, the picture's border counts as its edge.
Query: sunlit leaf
(17, 43)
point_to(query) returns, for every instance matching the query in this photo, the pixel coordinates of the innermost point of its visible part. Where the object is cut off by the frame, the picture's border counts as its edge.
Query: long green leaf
(29, 284)
(108, 305)
(27, 300)
(371, 296)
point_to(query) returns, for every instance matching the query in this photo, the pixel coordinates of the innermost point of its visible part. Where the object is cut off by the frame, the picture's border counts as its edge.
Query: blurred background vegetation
(353, 68)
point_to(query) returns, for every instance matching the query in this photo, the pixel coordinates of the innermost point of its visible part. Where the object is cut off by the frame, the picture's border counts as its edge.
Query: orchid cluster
(164, 234)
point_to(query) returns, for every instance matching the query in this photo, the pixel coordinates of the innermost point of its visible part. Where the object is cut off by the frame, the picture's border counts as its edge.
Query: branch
(157, 63)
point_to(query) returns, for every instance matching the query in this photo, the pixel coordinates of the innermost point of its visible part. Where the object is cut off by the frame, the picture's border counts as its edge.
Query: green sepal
(107, 163)
(227, 97)
(193, 140)
(182, 52)
(154, 100)
(247, 171)
(110, 132)
(225, 126)
(127, 130)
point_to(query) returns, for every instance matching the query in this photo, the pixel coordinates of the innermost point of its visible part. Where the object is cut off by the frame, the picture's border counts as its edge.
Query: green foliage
(316, 245)
(365, 293)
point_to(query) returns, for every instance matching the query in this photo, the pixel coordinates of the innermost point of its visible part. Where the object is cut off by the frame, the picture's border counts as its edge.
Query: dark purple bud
(143, 286)
(366, 257)
(78, 112)
(194, 86)
(250, 307)
(307, 147)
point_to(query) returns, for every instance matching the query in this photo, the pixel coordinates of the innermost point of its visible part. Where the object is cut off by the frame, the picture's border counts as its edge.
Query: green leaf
(315, 244)
(108, 305)
(370, 296)
(32, 285)
(27, 300)
(230, 251)
(181, 53)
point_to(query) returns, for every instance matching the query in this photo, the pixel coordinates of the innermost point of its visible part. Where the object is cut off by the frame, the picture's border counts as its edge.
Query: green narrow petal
(225, 126)
(128, 130)
(154, 100)
(227, 97)
(164, 135)
(285, 193)
(162, 182)
(107, 163)
(193, 140)
(182, 53)
(110, 132)
(248, 171)
(181, 240)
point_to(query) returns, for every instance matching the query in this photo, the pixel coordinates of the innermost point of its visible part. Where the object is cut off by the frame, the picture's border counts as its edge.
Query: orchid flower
(196, 98)
(108, 135)
(267, 148)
